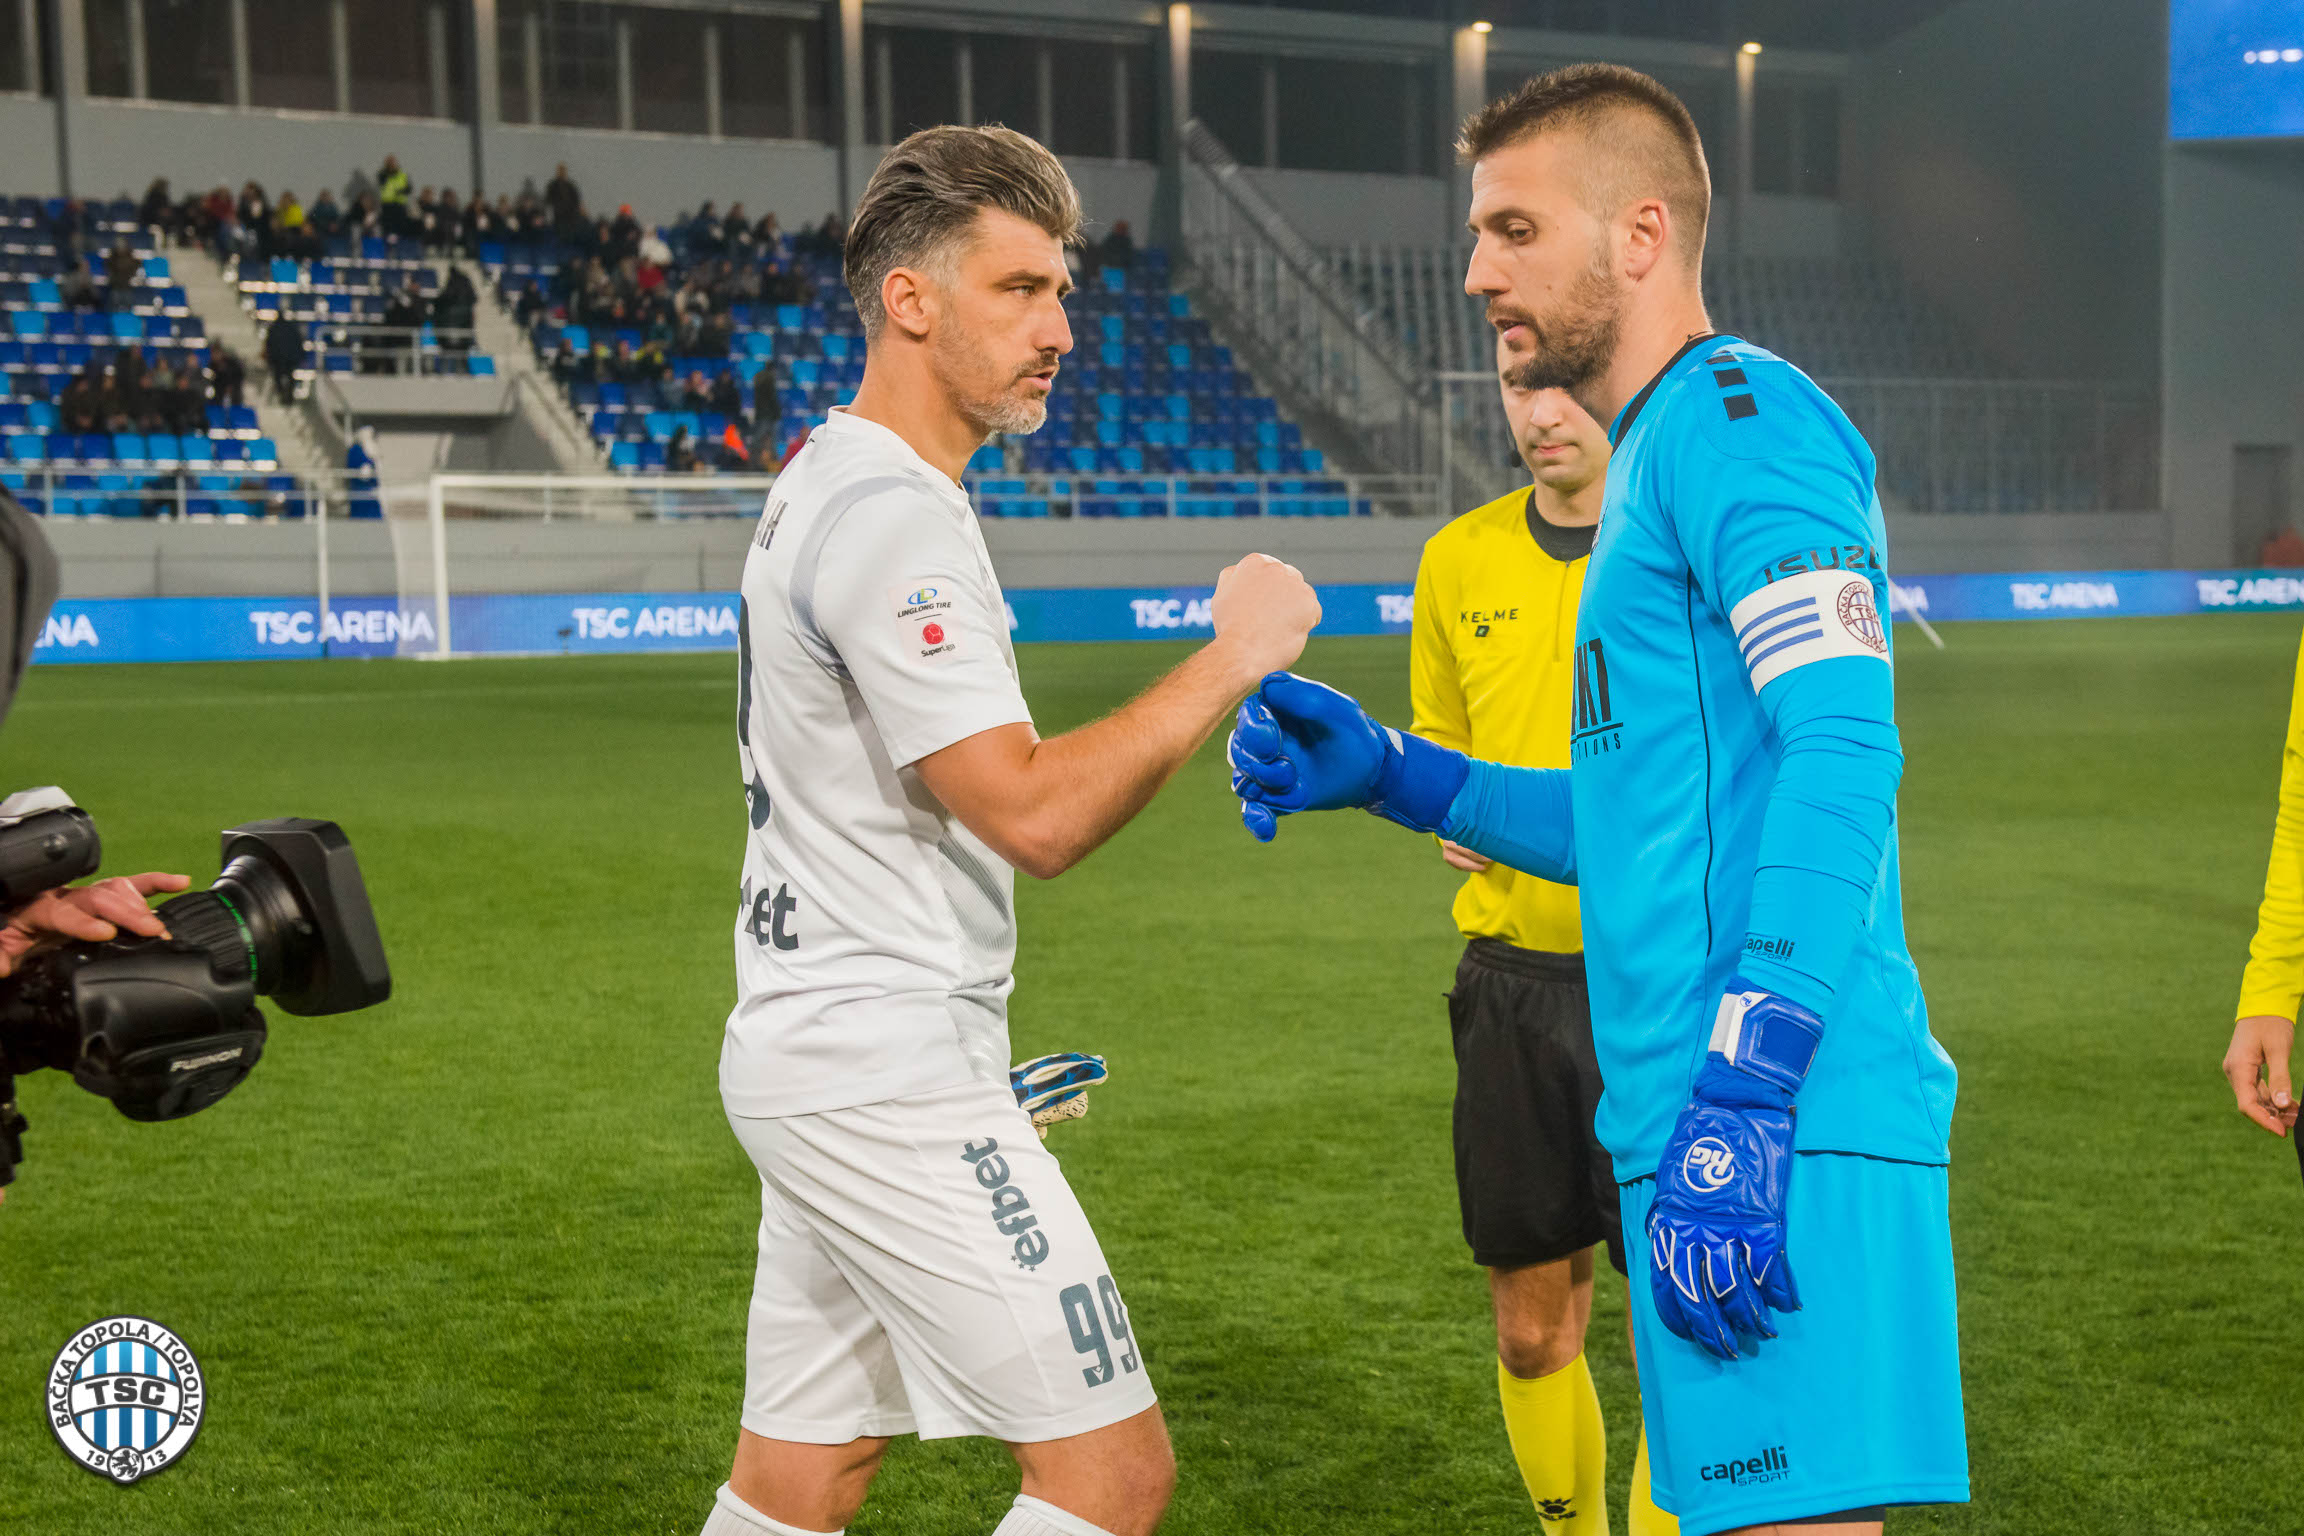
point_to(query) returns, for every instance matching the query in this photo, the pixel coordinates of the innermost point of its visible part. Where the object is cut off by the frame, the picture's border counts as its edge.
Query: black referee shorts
(1533, 1183)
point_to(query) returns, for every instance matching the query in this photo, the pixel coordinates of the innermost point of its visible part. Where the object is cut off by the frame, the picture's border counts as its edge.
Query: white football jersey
(876, 936)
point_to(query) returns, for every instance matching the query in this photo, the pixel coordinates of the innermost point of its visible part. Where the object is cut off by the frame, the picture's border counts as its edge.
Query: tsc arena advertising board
(249, 628)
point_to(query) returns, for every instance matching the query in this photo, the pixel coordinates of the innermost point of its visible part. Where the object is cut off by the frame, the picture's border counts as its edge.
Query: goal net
(529, 564)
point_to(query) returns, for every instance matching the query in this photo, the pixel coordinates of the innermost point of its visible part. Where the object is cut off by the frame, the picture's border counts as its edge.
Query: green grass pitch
(477, 1261)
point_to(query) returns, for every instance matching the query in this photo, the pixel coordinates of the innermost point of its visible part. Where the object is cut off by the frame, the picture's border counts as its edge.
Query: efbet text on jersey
(1011, 1207)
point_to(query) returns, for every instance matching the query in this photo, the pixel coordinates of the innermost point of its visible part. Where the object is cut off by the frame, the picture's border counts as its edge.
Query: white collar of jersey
(842, 422)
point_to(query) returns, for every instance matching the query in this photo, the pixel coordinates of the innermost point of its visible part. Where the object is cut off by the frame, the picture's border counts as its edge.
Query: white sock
(731, 1516)
(1029, 1516)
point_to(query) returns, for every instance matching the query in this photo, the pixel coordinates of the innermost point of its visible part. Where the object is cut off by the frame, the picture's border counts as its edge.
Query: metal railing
(397, 349)
(1307, 336)
(225, 492)
(2008, 445)
(1093, 496)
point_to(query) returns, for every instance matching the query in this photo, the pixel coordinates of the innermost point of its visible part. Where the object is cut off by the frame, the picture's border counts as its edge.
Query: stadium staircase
(538, 400)
(216, 300)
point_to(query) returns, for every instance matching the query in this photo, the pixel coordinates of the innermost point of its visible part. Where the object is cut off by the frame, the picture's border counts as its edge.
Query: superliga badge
(125, 1398)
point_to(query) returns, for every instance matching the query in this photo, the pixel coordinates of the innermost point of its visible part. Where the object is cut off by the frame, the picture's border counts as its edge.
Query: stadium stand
(1150, 416)
(1835, 319)
(374, 304)
(115, 404)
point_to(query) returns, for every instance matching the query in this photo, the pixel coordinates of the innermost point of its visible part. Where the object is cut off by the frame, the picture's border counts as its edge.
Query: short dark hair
(927, 193)
(1654, 149)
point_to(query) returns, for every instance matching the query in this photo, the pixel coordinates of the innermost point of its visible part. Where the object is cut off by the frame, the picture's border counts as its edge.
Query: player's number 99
(1089, 1331)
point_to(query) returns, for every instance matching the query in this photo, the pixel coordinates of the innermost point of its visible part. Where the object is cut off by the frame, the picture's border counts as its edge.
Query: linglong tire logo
(126, 1398)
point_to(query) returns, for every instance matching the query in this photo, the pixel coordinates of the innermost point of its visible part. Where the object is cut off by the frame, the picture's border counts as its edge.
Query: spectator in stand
(565, 201)
(284, 354)
(696, 394)
(123, 272)
(530, 305)
(680, 453)
(448, 222)
(768, 233)
(405, 314)
(365, 217)
(291, 230)
(392, 196)
(649, 362)
(424, 217)
(324, 218)
(188, 410)
(1119, 247)
(652, 249)
(227, 375)
(566, 364)
(158, 210)
(71, 226)
(77, 407)
(738, 238)
(624, 365)
(727, 396)
(705, 240)
(454, 308)
(692, 338)
(647, 275)
(254, 210)
(78, 286)
(623, 236)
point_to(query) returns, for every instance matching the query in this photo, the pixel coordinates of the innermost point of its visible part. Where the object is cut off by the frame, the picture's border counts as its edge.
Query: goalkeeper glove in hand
(1716, 1232)
(1302, 746)
(1053, 1088)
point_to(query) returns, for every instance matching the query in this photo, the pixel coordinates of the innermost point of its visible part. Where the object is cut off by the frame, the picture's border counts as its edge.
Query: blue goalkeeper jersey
(1739, 576)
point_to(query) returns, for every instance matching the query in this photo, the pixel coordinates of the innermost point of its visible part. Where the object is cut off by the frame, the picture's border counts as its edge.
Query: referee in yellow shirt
(1492, 674)
(2265, 1034)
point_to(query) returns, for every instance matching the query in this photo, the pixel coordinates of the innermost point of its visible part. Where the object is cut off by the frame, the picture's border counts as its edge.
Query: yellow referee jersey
(1492, 673)
(2275, 976)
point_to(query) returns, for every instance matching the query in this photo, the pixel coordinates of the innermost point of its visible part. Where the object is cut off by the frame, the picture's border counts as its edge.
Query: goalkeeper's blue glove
(1302, 746)
(1053, 1088)
(1716, 1231)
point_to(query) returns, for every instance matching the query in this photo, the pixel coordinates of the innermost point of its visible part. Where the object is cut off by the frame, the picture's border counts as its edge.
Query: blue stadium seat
(624, 455)
(156, 269)
(45, 292)
(27, 323)
(196, 450)
(482, 364)
(26, 448)
(262, 453)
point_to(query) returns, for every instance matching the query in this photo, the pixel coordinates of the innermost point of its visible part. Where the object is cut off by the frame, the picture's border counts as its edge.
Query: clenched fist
(1265, 610)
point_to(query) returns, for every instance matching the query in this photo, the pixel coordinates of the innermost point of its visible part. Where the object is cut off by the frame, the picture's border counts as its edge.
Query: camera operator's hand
(85, 914)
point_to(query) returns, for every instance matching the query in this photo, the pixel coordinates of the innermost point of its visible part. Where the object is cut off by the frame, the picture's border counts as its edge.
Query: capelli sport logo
(1772, 1465)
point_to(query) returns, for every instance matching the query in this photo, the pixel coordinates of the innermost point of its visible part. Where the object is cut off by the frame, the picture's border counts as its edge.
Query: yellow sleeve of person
(2265, 1031)
(1492, 672)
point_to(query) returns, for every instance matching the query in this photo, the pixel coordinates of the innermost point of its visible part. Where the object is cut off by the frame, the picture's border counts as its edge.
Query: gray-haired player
(924, 1267)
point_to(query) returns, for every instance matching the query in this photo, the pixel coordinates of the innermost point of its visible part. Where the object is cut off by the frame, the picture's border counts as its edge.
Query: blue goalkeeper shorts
(1857, 1403)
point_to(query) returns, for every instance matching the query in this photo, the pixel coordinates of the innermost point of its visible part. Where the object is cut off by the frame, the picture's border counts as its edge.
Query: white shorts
(925, 1268)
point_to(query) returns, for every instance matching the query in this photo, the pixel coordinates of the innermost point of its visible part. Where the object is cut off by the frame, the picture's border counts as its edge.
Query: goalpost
(458, 536)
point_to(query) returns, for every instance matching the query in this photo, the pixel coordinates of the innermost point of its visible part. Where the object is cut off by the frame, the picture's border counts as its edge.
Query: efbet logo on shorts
(1011, 1208)
(126, 1398)
(1708, 1163)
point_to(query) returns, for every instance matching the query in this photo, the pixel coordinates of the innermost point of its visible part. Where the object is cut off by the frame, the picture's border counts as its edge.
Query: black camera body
(165, 1027)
